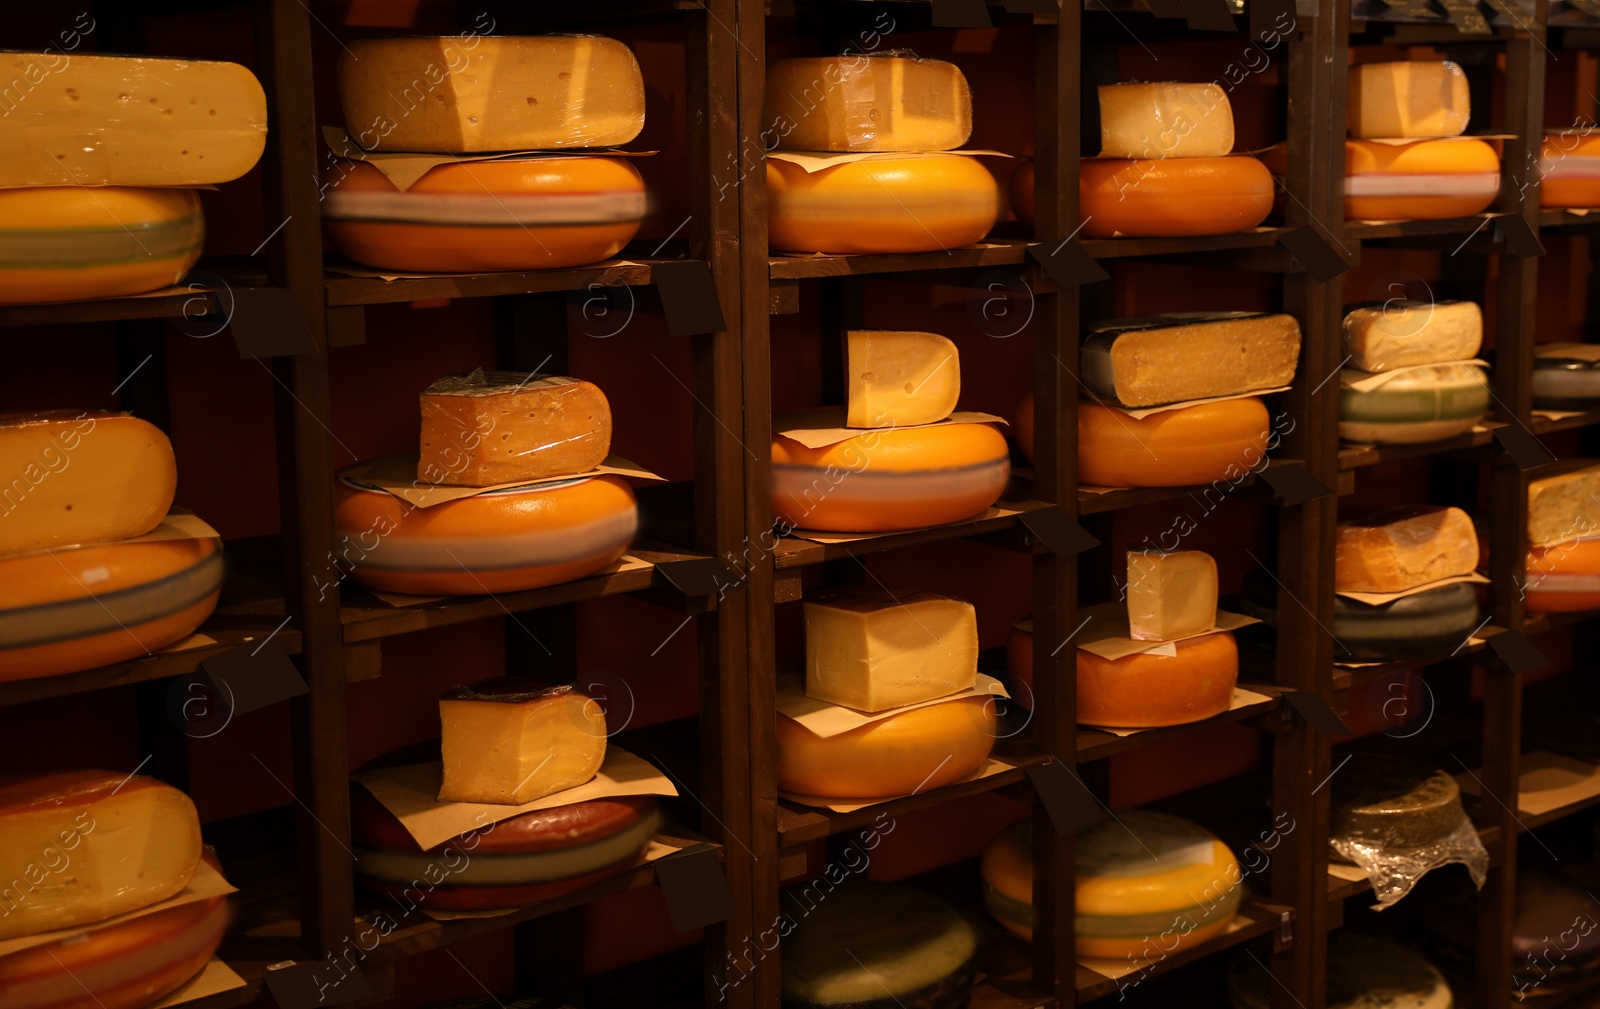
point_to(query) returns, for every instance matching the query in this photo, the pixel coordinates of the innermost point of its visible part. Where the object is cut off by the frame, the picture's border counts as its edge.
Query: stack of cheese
(1411, 376)
(1563, 563)
(508, 494)
(1397, 555)
(419, 101)
(97, 194)
(860, 163)
(93, 570)
(90, 854)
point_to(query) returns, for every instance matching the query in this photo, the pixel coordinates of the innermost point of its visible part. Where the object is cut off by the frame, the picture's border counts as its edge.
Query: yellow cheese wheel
(1194, 445)
(1141, 691)
(66, 243)
(886, 203)
(524, 214)
(1007, 870)
(1424, 180)
(1173, 197)
(1569, 170)
(914, 751)
(1563, 578)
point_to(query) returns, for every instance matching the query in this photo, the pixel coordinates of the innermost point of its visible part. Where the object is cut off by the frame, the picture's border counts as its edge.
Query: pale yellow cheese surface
(487, 428)
(1564, 507)
(1170, 595)
(1165, 120)
(1404, 334)
(1407, 99)
(867, 103)
(898, 378)
(517, 751)
(872, 649)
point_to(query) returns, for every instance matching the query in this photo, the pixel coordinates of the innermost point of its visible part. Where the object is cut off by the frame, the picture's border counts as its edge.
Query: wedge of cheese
(1565, 506)
(1402, 334)
(868, 103)
(1170, 595)
(1180, 356)
(873, 649)
(486, 428)
(1407, 99)
(1165, 120)
(509, 741)
(1402, 548)
(901, 378)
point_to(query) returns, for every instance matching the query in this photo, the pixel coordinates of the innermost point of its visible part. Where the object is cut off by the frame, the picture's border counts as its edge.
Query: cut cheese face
(1399, 549)
(1158, 359)
(1401, 334)
(1165, 120)
(868, 103)
(506, 741)
(487, 428)
(873, 649)
(452, 95)
(1563, 507)
(1171, 595)
(901, 378)
(1408, 99)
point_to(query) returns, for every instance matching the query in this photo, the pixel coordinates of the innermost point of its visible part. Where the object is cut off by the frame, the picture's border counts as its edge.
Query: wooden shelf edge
(795, 551)
(1264, 918)
(1097, 744)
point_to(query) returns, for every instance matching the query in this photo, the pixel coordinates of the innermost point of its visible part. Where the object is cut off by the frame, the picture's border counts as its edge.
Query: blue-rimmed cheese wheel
(1420, 626)
(1419, 405)
(521, 214)
(1566, 376)
(1563, 578)
(66, 243)
(1363, 973)
(498, 541)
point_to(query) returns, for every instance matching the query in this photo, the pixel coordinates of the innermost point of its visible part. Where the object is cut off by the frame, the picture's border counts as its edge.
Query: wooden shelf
(1097, 744)
(795, 552)
(171, 302)
(1544, 425)
(1092, 503)
(1255, 918)
(345, 290)
(1369, 230)
(1121, 248)
(999, 252)
(1360, 456)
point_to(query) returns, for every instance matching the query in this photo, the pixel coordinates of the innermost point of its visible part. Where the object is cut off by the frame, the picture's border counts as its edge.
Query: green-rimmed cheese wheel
(1566, 376)
(1424, 625)
(1395, 803)
(1363, 973)
(1420, 405)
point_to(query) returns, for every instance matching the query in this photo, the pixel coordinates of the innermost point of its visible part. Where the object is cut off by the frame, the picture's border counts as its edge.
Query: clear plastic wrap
(886, 101)
(1395, 868)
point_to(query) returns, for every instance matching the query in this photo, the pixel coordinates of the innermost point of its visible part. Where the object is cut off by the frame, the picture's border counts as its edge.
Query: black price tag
(1270, 17)
(268, 322)
(689, 297)
(316, 984)
(1294, 485)
(1320, 259)
(1069, 264)
(1316, 712)
(1166, 8)
(1516, 651)
(695, 887)
(1060, 535)
(961, 14)
(254, 676)
(1519, 239)
(1524, 449)
(1209, 15)
(702, 576)
(1066, 798)
(1469, 20)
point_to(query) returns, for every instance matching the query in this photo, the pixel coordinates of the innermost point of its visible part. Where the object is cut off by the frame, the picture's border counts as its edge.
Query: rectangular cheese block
(126, 120)
(1156, 359)
(1402, 548)
(1402, 334)
(898, 378)
(496, 427)
(1170, 595)
(1165, 120)
(511, 741)
(1565, 505)
(452, 95)
(867, 103)
(875, 649)
(1407, 99)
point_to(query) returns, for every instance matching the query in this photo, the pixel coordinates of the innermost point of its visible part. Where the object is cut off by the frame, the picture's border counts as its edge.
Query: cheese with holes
(79, 846)
(868, 103)
(1170, 595)
(1401, 548)
(83, 120)
(487, 428)
(1147, 690)
(913, 751)
(1408, 99)
(901, 378)
(455, 94)
(1401, 334)
(510, 741)
(1155, 359)
(1566, 505)
(875, 649)
(1165, 120)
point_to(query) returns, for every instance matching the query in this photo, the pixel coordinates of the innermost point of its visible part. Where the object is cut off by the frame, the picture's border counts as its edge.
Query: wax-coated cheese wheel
(879, 481)
(1566, 376)
(1564, 578)
(82, 607)
(1420, 405)
(1172, 197)
(526, 214)
(1420, 626)
(886, 203)
(67, 243)
(1193, 445)
(1569, 170)
(372, 826)
(499, 541)
(1007, 870)
(1420, 181)
(914, 751)
(1144, 691)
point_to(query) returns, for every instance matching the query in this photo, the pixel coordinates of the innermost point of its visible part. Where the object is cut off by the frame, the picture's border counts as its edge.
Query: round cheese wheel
(500, 541)
(914, 751)
(66, 243)
(1569, 170)
(1419, 405)
(1363, 973)
(1565, 377)
(1193, 445)
(1393, 802)
(1422, 180)
(1172, 197)
(554, 829)
(127, 965)
(1145, 691)
(882, 480)
(1564, 578)
(1007, 871)
(521, 214)
(886, 203)
(1021, 191)
(82, 607)
(1425, 625)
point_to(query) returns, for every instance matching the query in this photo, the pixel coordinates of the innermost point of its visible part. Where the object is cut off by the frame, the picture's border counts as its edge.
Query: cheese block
(1569, 170)
(487, 428)
(1165, 120)
(1566, 376)
(88, 120)
(78, 608)
(128, 965)
(454, 94)
(1172, 197)
(1157, 359)
(71, 243)
(1170, 595)
(1422, 98)
(867, 945)
(1427, 625)
(914, 751)
(888, 102)
(900, 378)
(881, 481)
(1389, 802)
(81, 477)
(1430, 403)
(1564, 578)
(1401, 548)
(517, 214)
(884, 204)
(1402, 334)
(1420, 181)
(1363, 973)
(1194, 445)
(510, 741)
(87, 845)
(1145, 691)
(506, 540)
(1563, 506)
(875, 649)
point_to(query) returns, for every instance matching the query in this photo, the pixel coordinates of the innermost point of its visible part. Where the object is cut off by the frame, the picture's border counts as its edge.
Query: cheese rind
(1408, 99)
(1400, 549)
(868, 103)
(1426, 625)
(899, 378)
(1563, 507)
(503, 742)
(1170, 595)
(1158, 359)
(1427, 404)
(1402, 334)
(1169, 197)
(878, 649)
(913, 751)
(487, 428)
(1566, 376)
(888, 203)
(1145, 691)
(1194, 445)
(1165, 120)
(1389, 801)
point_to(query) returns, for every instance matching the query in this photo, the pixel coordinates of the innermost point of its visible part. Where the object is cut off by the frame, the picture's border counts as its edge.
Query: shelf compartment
(1361, 456)
(1256, 918)
(1134, 497)
(1368, 230)
(170, 302)
(795, 552)
(1097, 744)
(997, 252)
(344, 290)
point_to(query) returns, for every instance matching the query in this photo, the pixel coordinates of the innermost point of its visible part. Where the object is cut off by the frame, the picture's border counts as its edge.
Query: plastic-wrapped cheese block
(1172, 197)
(1363, 973)
(916, 750)
(510, 741)
(1420, 181)
(1144, 691)
(1194, 445)
(1395, 803)
(891, 101)
(1569, 170)
(1408, 99)
(1565, 505)
(88, 845)
(88, 120)
(899, 378)
(1400, 334)
(1165, 120)
(82, 477)
(520, 214)
(1401, 548)
(69, 243)
(872, 649)
(1421, 626)
(1427, 404)
(1564, 578)
(884, 204)
(1566, 376)
(490, 93)
(487, 428)
(1155, 359)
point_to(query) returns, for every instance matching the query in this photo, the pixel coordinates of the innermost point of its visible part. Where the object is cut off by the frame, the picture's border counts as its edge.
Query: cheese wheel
(81, 607)
(914, 751)
(883, 204)
(1363, 973)
(1193, 445)
(521, 214)
(1425, 180)
(1394, 803)
(68, 243)
(1564, 578)
(1144, 691)
(1425, 625)
(1421, 405)
(1569, 170)
(1566, 376)
(894, 478)
(1007, 871)
(579, 823)
(1172, 197)
(499, 541)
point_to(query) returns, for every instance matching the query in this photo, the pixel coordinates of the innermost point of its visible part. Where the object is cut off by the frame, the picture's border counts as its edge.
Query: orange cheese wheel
(1145, 691)
(1563, 578)
(887, 203)
(1172, 197)
(883, 480)
(1423, 180)
(914, 751)
(66, 243)
(1194, 445)
(529, 214)
(1569, 170)
(1007, 871)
